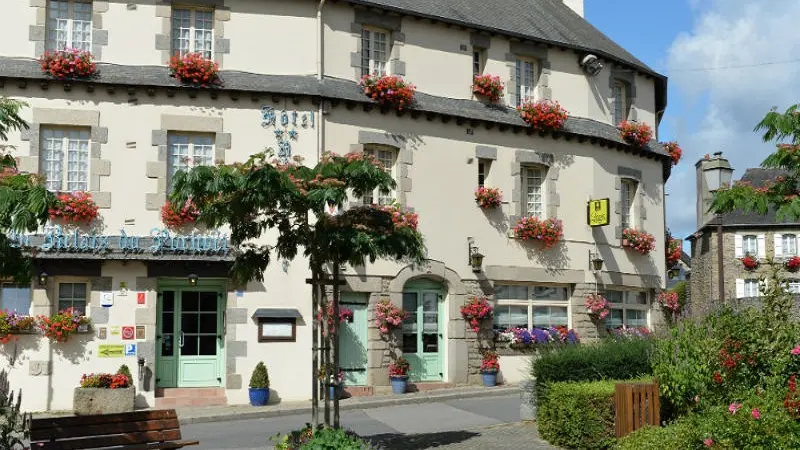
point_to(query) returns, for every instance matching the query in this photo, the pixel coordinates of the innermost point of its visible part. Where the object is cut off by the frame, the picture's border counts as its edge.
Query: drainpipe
(320, 79)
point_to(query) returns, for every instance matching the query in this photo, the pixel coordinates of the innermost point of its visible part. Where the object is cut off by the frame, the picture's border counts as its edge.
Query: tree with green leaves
(781, 194)
(24, 199)
(264, 194)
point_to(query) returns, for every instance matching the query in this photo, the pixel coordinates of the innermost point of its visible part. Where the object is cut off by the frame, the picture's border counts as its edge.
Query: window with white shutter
(788, 245)
(751, 288)
(761, 246)
(749, 245)
(778, 248)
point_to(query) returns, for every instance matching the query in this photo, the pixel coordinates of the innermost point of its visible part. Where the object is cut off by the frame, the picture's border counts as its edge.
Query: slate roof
(549, 21)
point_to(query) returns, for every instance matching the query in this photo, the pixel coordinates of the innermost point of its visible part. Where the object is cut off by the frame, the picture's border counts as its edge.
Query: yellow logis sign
(597, 213)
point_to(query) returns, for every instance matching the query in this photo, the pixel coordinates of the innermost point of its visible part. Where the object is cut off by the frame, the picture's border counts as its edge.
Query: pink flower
(756, 413)
(733, 407)
(796, 351)
(708, 441)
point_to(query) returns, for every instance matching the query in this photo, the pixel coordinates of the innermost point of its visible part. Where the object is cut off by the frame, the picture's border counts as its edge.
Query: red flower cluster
(597, 306)
(674, 251)
(490, 363)
(547, 231)
(750, 263)
(60, 326)
(194, 68)
(68, 63)
(75, 207)
(488, 86)
(674, 151)
(793, 264)
(388, 90)
(399, 368)
(634, 133)
(488, 197)
(400, 218)
(345, 315)
(12, 323)
(669, 300)
(105, 381)
(543, 115)
(174, 217)
(640, 241)
(476, 310)
(792, 401)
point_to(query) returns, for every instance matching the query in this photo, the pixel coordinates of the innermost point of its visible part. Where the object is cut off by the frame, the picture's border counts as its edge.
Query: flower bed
(488, 86)
(12, 323)
(597, 306)
(792, 264)
(388, 316)
(543, 115)
(174, 217)
(488, 197)
(640, 241)
(400, 218)
(104, 393)
(547, 231)
(68, 63)
(63, 324)
(194, 68)
(674, 151)
(388, 90)
(476, 310)
(74, 207)
(750, 262)
(634, 133)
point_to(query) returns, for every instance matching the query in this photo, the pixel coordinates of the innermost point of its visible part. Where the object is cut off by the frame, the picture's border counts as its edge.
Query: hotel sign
(597, 213)
(160, 241)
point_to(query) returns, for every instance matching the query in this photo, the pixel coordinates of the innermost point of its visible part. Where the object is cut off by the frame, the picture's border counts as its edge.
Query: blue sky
(712, 106)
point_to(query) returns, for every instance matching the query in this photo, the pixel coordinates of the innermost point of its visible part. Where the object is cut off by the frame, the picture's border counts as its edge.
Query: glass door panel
(166, 360)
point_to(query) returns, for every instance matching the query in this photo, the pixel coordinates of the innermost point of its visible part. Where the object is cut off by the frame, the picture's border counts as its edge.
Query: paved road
(479, 423)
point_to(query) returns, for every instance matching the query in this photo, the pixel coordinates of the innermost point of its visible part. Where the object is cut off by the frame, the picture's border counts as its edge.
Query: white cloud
(721, 107)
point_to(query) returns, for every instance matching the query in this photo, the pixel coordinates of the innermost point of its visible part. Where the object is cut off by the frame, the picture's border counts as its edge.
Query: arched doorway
(423, 340)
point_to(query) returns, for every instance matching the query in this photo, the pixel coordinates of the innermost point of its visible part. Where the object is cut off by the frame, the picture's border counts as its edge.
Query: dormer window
(621, 95)
(478, 60)
(374, 51)
(526, 80)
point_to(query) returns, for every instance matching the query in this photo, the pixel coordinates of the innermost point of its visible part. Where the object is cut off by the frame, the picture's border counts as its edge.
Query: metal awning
(277, 313)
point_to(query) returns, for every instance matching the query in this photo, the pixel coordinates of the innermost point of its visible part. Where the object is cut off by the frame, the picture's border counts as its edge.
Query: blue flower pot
(399, 385)
(489, 379)
(259, 396)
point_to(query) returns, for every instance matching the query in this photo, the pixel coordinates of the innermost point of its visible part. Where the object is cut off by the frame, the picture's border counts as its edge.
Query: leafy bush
(123, 370)
(260, 377)
(324, 438)
(680, 435)
(578, 415)
(15, 425)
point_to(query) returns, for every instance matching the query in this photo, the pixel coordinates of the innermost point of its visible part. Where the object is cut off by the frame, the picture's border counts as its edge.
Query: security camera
(591, 65)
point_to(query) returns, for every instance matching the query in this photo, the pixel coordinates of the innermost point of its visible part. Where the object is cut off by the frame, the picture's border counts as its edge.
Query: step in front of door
(177, 397)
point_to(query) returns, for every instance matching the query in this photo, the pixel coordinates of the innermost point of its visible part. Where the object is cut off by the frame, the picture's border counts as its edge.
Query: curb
(344, 406)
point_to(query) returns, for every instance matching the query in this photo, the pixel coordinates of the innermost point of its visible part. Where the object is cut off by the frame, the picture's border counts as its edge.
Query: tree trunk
(315, 343)
(335, 339)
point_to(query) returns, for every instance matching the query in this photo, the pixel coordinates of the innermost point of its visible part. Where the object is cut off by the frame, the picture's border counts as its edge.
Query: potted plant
(398, 372)
(476, 310)
(335, 383)
(104, 393)
(488, 197)
(547, 231)
(74, 207)
(388, 90)
(194, 68)
(487, 86)
(175, 217)
(598, 307)
(637, 240)
(259, 385)
(674, 151)
(489, 368)
(792, 264)
(674, 251)
(750, 263)
(60, 326)
(543, 115)
(388, 316)
(634, 133)
(68, 63)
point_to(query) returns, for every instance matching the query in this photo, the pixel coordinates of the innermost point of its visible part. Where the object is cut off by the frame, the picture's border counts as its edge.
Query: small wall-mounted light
(597, 262)
(674, 272)
(475, 257)
(193, 279)
(43, 279)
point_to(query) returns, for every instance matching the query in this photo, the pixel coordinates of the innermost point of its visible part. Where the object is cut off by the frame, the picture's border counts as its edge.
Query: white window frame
(197, 36)
(794, 286)
(374, 59)
(532, 303)
(530, 206)
(478, 61)
(527, 77)
(752, 288)
(750, 245)
(64, 27)
(56, 152)
(627, 305)
(71, 299)
(627, 200)
(387, 156)
(620, 94)
(9, 285)
(788, 240)
(199, 151)
(484, 167)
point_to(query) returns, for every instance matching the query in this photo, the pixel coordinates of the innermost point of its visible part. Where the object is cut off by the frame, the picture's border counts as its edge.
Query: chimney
(575, 5)
(718, 168)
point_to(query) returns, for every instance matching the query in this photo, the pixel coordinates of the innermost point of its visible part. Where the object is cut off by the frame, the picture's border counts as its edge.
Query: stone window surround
(480, 43)
(38, 33)
(628, 77)
(639, 209)
(528, 50)
(524, 158)
(71, 118)
(44, 299)
(392, 24)
(180, 124)
(222, 14)
(403, 162)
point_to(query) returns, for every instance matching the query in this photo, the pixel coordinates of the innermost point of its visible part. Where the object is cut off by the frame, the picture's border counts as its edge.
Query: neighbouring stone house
(290, 70)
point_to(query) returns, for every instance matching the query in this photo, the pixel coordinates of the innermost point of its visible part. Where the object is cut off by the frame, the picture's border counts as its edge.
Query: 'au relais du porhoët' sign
(160, 241)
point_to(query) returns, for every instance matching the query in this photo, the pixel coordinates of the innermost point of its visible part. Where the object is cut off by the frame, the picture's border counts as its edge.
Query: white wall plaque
(107, 299)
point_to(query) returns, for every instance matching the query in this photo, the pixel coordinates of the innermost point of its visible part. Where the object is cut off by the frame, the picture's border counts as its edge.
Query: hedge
(680, 435)
(578, 415)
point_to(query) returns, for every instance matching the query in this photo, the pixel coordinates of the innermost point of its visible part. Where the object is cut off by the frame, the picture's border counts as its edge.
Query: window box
(75, 207)
(547, 231)
(637, 240)
(63, 324)
(750, 263)
(523, 340)
(636, 134)
(195, 69)
(488, 86)
(488, 197)
(177, 217)
(388, 90)
(792, 264)
(68, 63)
(12, 324)
(543, 115)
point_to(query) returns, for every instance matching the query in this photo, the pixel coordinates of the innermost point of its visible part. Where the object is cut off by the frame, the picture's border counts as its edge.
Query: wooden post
(637, 406)
(335, 338)
(314, 346)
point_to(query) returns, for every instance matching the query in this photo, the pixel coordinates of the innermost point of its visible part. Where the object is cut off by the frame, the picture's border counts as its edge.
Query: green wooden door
(423, 336)
(353, 340)
(191, 337)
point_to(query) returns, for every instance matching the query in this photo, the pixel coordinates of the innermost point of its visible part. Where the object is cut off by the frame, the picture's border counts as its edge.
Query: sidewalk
(246, 412)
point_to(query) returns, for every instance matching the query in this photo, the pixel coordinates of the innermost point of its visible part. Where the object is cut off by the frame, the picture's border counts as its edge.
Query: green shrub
(123, 370)
(578, 415)
(324, 438)
(678, 436)
(260, 377)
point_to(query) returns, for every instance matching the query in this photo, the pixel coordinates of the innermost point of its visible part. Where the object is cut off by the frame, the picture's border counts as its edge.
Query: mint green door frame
(353, 340)
(190, 333)
(423, 330)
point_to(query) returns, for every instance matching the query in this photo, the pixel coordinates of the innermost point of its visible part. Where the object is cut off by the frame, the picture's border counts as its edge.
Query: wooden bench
(142, 430)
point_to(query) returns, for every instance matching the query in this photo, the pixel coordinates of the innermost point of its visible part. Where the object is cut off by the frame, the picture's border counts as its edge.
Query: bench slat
(110, 441)
(73, 421)
(101, 430)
